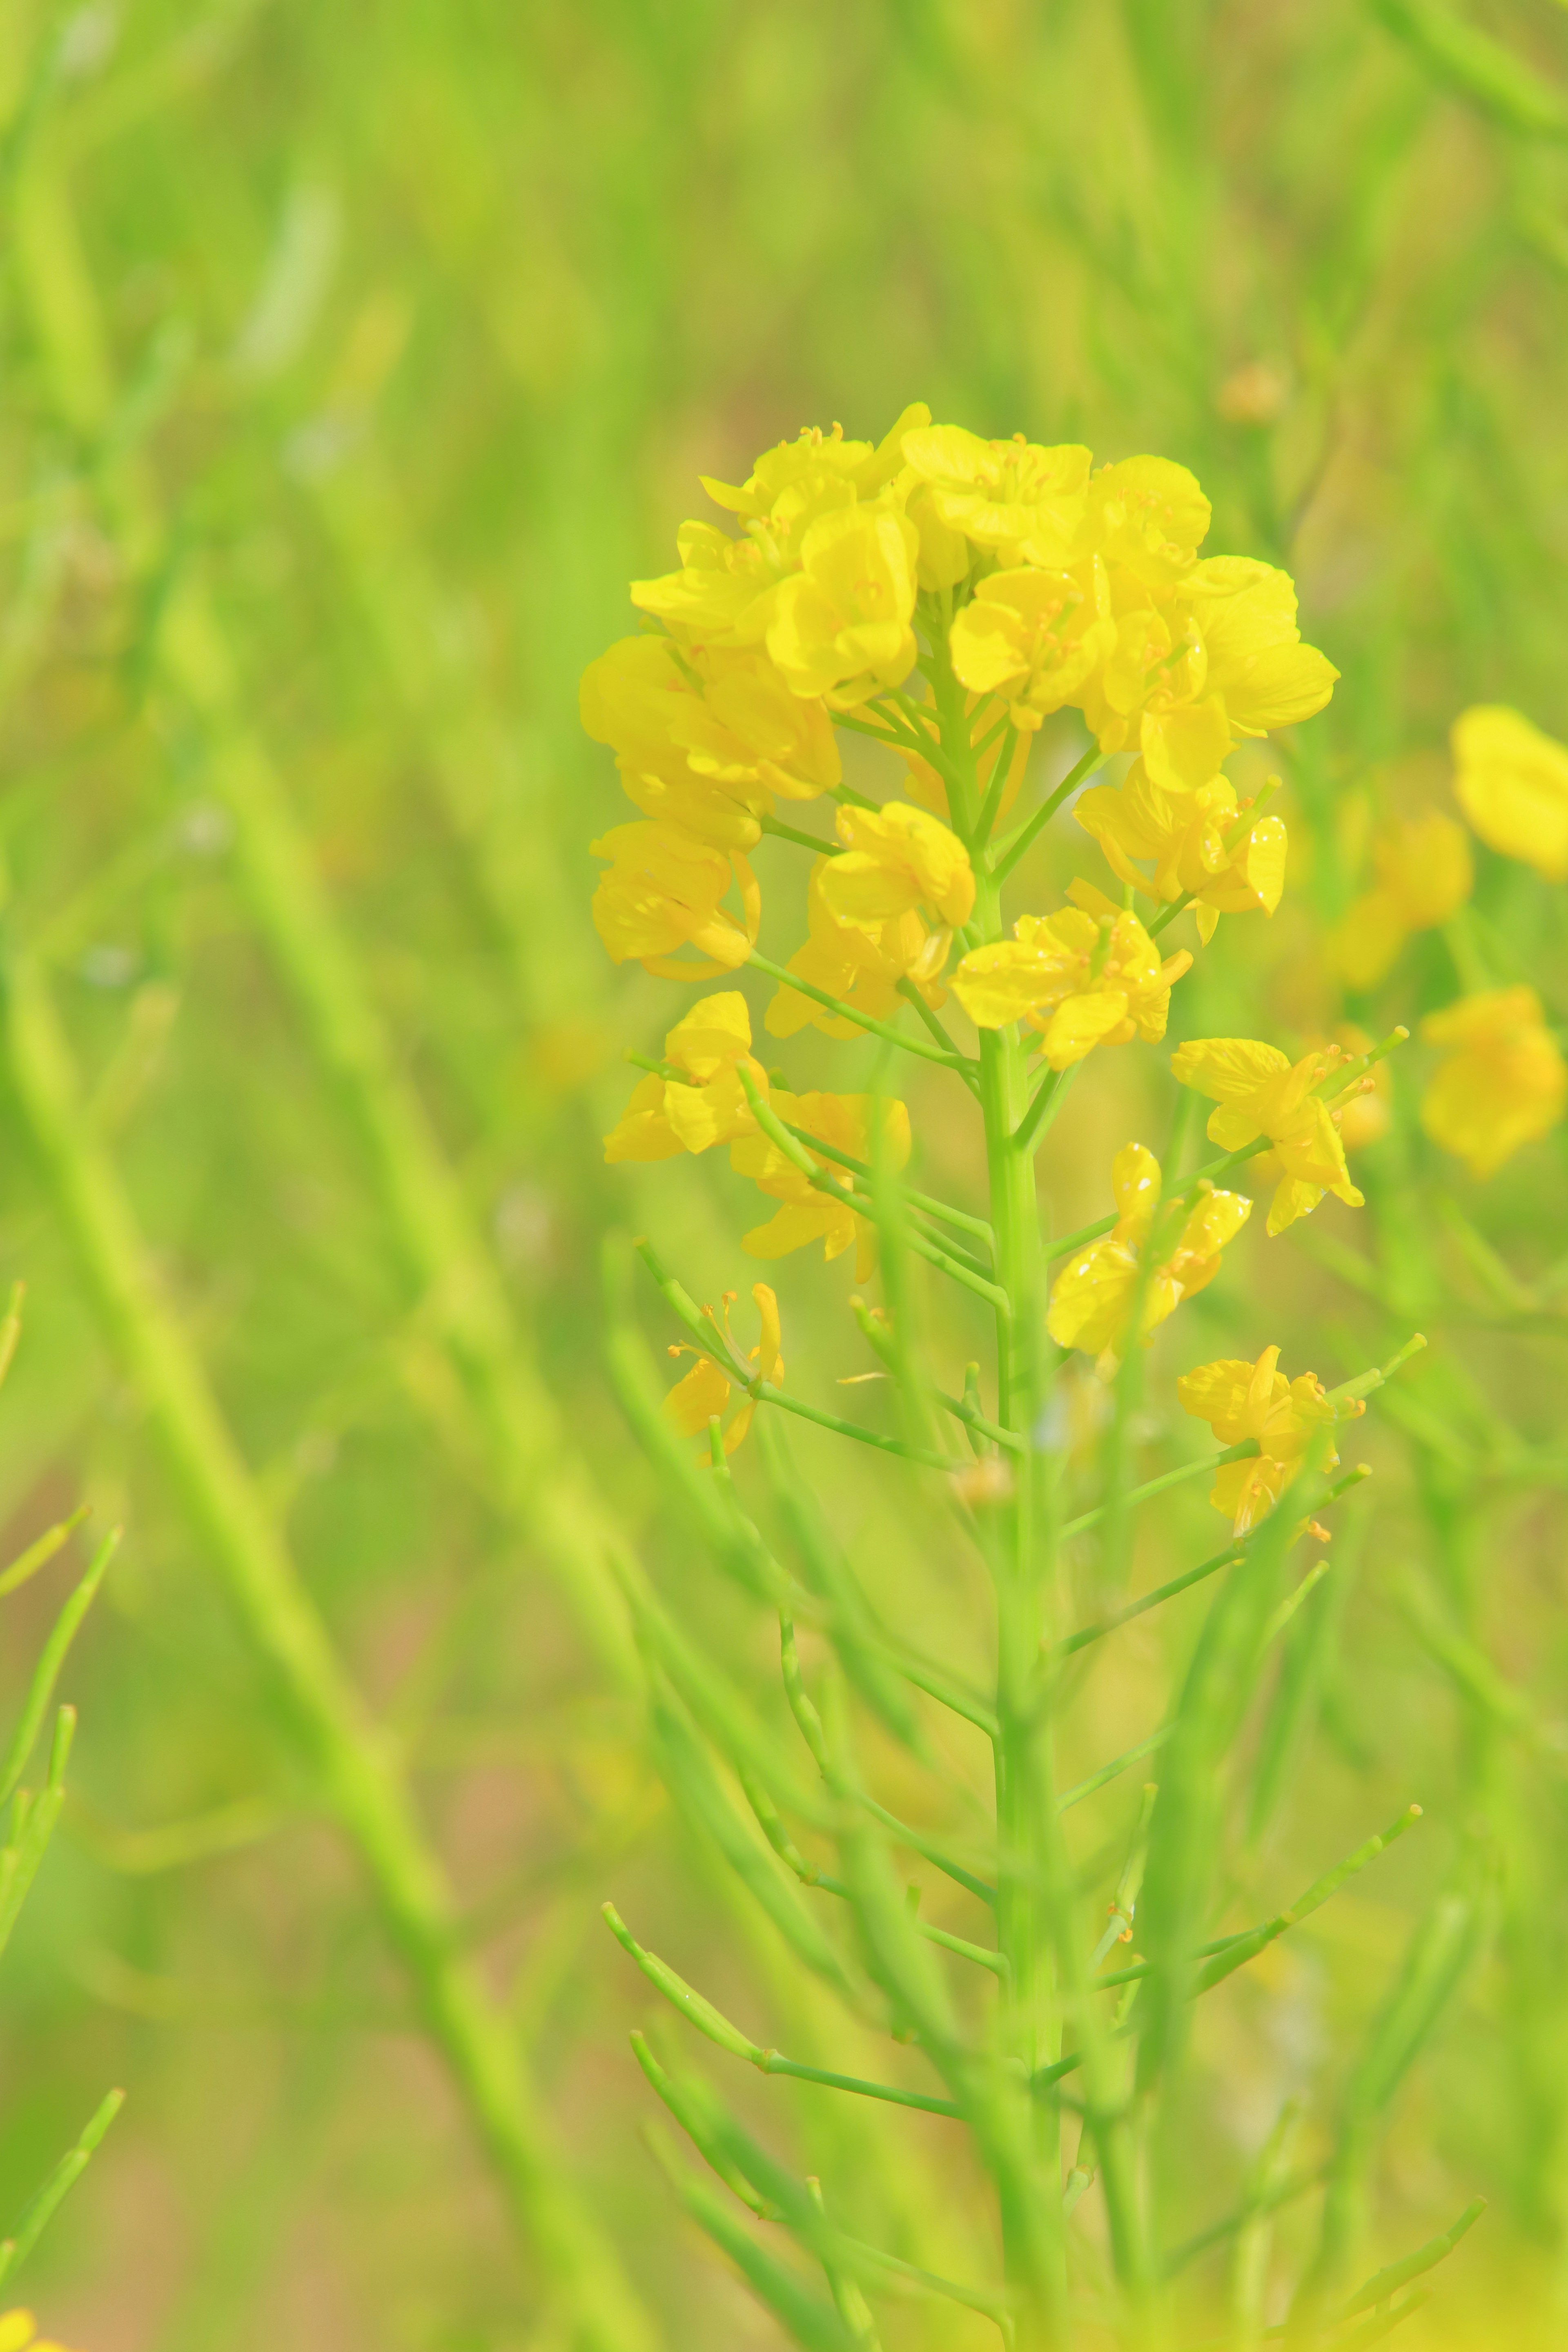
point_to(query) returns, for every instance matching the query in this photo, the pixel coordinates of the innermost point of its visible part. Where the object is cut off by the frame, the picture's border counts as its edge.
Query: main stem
(1027, 1839)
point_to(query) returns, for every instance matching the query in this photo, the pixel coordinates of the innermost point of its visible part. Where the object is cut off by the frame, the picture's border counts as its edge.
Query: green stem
(1007, 854)
(917, 1045)
(358, 1778)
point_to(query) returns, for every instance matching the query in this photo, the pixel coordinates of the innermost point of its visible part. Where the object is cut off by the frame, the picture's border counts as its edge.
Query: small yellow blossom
(18, 2333)
(707, 1104)
(704, 1395)
(814, 453)
(705, 741)
(724, 591)
(1503, 1083)
(863, 961)
(1260, 1092)
(1513, 784)
(1219, 659)
(1088, 976)
(1187, 836)
(1094, 1297)
(810, 1213)
(1241, 1401)
(662, 892)
(840, 626)
(897, 858)
(1035, 637)
(1423, 874)
(1024, 502)
(1149, 517)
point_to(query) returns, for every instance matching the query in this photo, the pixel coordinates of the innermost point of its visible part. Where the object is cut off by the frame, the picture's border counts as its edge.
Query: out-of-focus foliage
(350, 363)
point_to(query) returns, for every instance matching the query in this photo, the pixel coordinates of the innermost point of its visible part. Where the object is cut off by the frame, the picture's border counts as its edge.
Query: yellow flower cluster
(882, 913)
(1097, 1292)
(1241, 1401)
(699, 1099)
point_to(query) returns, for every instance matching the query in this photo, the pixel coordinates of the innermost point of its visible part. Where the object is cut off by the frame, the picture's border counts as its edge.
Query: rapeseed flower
(1260, 1092)
(1149, 517)
(1088, 976)
(1022, 503)
(1188, 837)
(1425, 874)
(1096, 1293)
(1034, 638)
(897, 858)
(704, 1395)
(706, 1103)
(1241, 1401)
(1513, 784)
(880, 914)
(663, 892)
(818, 1212)
(840, 626)
(1503, 1083)
(705, 739)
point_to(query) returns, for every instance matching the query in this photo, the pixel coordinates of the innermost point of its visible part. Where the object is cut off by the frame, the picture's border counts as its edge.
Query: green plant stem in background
(358, 1779)
(452, 1282)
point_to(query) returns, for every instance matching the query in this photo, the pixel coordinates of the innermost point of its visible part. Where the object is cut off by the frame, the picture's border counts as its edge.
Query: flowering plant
(943, 596)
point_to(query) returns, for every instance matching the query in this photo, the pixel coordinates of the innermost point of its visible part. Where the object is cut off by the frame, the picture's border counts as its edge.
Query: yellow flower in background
(1022, 502)
(705, 741)
(1093, 1300)
(1034, 638)
(1149, 517)
(1425, 873)
(18, 2333)
(897, 858)
(1513, 784)
(1088, 976)
(810, 1214)
(707, 1104)
(1503, 1083)
(704, 1395)
(1261, 1092)
(1241, 1401)
(840, 626)
(1185, 835)
(862, 960)
(662, 892)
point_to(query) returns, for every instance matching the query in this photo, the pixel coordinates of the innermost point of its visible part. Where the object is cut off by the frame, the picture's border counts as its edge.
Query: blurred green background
(352, 361)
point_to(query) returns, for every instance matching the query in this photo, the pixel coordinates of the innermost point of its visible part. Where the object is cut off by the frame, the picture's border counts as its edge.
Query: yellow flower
(1092, 1302)
(840, 626)
(1512, 784)
(1423, 874)
(1504, 1081)
(1184, 834)
(18, 2333)
(1149, 517)
(1196, 668)
(1088, 976)
(897, 858)
(724, 593)
(815, 453)
(862, 960)
(662, 892)
(1035, 637)
(706, 740)
(707, 1104)
(810, 1214)
(1260, 1092)
(1024, 502)
(704, 1395)
(1240, 1400)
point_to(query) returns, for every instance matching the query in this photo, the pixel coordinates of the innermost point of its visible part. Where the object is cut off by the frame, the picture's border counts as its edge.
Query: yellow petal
(1227, 1069)
(1092, 1299)
(694, 1402)
(1512, 784)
